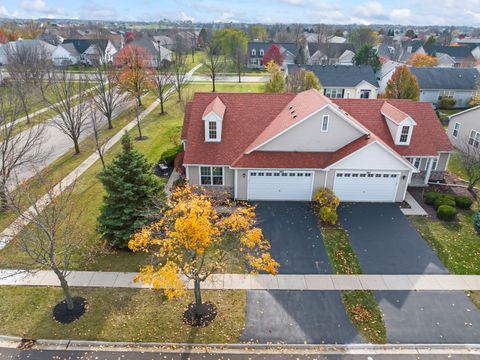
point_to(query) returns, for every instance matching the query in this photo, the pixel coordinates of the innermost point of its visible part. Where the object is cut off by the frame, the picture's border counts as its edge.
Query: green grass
(455, 166)
(227, 87)
(456, 244)
(361, 306)
(119, 315)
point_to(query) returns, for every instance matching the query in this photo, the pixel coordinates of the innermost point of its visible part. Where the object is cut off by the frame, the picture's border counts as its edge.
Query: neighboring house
(165, 41)
(457, 83)
(12, 46)
(286, 146)
(330, 53)
(343, 81)
(256, 50)
(409, 48)
(464, 128)
(154, 49)
(386, 52)
(451, 56)
(84, 51)
(385, 73)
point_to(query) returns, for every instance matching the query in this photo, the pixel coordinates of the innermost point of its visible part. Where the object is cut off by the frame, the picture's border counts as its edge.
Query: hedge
(442, 200)
(169, 155)
(463, 202)
(446, 212)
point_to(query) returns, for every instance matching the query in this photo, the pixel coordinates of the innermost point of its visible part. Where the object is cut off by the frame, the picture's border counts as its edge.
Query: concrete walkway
(256, 282)
(415, 207)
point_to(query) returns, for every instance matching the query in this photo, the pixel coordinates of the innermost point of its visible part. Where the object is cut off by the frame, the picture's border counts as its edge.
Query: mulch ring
(65, 316)
(26, 344)
(209, 314)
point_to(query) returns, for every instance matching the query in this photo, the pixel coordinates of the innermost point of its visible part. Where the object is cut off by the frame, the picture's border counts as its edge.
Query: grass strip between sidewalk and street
(139, 315)
(361, 306)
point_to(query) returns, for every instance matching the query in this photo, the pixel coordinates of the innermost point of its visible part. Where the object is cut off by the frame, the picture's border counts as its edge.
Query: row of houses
(361, 82)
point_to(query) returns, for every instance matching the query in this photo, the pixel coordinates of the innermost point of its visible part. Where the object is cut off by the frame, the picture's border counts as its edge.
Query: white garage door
(280, 185)
(372, 186)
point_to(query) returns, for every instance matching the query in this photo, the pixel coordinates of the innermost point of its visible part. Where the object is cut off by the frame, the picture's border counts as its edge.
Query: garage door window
(211, 175)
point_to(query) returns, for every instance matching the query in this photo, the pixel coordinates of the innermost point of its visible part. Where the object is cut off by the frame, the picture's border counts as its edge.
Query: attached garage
(371, 186)
(280, 185)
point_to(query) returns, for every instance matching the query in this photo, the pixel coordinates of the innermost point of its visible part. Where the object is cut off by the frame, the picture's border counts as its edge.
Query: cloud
(370, 9)
(185, 17)
(40, 6)
(5, 13)
(400, 14)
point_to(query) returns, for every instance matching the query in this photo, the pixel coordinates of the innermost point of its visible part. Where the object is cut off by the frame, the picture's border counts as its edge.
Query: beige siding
(318, 180)
(443, 161)
(242, 184)
(194, 178)
(468, 121)
(307, 136)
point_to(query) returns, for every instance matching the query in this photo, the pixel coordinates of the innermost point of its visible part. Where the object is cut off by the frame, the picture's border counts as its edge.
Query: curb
(82, 345)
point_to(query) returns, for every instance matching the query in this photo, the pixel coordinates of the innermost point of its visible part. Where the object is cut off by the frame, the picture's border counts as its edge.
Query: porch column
(429, 170)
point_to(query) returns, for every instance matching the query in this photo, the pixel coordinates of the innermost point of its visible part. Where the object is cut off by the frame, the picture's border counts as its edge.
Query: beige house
(464, 128)
(287, 146)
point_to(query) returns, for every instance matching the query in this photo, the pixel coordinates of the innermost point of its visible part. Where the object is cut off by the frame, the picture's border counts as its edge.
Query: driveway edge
(83, 345)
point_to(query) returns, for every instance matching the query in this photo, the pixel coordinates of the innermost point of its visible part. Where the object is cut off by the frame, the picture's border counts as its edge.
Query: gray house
(343, 81)
(330, 53)
(464, 128)
(257, 49)
(457, 83)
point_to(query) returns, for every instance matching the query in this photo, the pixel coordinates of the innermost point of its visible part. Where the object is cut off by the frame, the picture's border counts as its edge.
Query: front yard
(138, 315)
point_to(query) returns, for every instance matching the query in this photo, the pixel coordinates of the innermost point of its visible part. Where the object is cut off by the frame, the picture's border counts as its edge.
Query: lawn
(455, 166)
(456, 243)
(360, 305)
(138, 315)
(226, 87)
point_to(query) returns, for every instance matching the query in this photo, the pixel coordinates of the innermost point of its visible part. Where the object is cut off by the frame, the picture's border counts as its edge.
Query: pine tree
(130, 187)
(367, 55)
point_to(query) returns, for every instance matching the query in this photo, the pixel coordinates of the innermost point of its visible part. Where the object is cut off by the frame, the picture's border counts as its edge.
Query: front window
(434, 163)
(415, 161)
(212, 130)
(325, 123)
(404, 134)
(446, 93)
(365, 94)
(333, 93)
(211, 175)
(474, 139)
(456, 129)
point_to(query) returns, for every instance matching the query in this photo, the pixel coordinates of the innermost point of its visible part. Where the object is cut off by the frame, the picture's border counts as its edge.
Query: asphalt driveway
(386, 242)
(296, 316)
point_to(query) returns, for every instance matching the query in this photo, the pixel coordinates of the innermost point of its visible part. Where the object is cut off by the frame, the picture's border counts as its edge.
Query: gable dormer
(399, 123)
(213, 119)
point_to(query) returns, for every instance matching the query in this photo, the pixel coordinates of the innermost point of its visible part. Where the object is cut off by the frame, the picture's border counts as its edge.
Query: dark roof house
(339, 75)
(446, 78)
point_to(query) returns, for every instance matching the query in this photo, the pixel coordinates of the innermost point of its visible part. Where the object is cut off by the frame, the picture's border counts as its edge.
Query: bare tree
(71, 115)
(18, 149)
(96, 126)
(53, 235)
(469, 156)
(214, 61)
(179, 68)
(28, 67)
(162, 81)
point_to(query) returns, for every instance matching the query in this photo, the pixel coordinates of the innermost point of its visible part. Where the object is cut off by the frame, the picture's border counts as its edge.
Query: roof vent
(290, 107)
(294, 116)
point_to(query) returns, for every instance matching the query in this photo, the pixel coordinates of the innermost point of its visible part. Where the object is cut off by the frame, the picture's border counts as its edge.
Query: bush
(476, 221)
(446, 212)
(443, 200)
(328, 216)
(463, 202)
(430, 197)
(446, 102)
(169, 155)
(326, 198)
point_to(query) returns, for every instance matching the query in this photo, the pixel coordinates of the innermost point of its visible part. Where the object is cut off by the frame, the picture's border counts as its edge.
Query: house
(451, 56)
(457, 83)
(154, 49)
(285, 146)
(409, 48)
(464, 128)
(343, 81)
(385, 73)
(330, 53)
(256, 50)
(84, 51)
(165, 41)
(12, 46)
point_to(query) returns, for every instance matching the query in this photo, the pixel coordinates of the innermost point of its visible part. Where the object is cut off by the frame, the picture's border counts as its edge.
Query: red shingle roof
(217, 106)
(249, 115)
(394, 114)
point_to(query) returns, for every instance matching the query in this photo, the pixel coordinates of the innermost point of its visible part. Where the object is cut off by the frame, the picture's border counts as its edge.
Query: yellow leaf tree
(422, 60)
(193, 240)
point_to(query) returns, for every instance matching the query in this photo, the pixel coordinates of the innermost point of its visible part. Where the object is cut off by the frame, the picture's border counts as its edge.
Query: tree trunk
(77, 146)
(213, 84)
(109, 120)
(198, 298)
(65, 288)
(239, 75)
(100, 154)
(139, 100)
(3, 198)
(162, 110)
(140, 136)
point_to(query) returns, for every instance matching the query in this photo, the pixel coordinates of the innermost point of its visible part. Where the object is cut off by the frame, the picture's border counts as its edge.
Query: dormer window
(254, 52)
(262, 52)
(212, 130)
(404, 134)
(325, 120)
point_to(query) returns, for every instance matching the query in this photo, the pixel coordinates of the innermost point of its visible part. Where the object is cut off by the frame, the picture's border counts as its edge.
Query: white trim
(455, 128)
(327, 117)
(326, 176)
(409, 179)
(211, 175)
(235, 183)
(330, 106)
(402, 159)
(187, 172)
(464, 111)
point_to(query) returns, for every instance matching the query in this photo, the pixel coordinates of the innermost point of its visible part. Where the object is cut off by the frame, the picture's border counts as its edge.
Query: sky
(405, 12)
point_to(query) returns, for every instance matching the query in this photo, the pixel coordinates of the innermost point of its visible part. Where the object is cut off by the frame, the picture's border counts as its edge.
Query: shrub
(328, 216)
(443, 200)
(446, 102)
(326, 197)
(476, 221)
(169, 155)
(463, 202)
(446, 212)
(430, 197)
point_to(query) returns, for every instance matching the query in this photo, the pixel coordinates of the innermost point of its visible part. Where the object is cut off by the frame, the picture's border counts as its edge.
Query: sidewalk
(415, 207)
(256, 282)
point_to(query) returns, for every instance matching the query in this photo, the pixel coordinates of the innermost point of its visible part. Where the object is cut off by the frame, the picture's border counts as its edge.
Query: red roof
(249, 116)
(216, 106)
(394, 114)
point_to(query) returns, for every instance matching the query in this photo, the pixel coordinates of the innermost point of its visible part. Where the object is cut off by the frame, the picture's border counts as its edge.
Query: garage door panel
(280, 185)
(366, 186)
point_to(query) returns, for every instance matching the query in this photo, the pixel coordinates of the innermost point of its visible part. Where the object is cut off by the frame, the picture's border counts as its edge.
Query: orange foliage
(422, 60)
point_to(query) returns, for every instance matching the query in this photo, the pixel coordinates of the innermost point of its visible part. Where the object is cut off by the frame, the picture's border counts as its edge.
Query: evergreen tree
(130, 187)
(367, 56)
